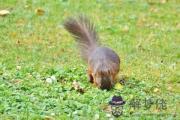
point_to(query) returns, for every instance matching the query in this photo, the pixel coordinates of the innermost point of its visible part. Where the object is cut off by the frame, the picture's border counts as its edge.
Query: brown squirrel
(103, 62)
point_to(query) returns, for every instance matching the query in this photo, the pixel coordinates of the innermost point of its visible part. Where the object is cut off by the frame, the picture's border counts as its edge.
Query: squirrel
(103, 62)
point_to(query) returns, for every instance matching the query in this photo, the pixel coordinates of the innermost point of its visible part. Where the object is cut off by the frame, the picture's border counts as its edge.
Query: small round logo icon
(117, 105)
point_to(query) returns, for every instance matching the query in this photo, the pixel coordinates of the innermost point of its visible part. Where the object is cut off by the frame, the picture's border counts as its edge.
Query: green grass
(33, 48)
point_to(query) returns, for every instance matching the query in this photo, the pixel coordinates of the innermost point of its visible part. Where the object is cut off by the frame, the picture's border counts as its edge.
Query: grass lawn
(35, 49)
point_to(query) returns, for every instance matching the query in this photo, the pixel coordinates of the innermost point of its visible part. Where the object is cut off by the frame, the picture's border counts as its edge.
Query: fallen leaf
(156, 90)
(118, 86)
(18, 42)
(4, 12)
(77, 87)
(39, 11)
(106, 108)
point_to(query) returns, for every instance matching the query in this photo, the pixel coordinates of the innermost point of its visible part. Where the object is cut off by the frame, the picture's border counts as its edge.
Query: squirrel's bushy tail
(84, 33)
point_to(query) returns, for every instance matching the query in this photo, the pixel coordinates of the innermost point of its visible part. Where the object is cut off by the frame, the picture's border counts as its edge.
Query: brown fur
(103, 62)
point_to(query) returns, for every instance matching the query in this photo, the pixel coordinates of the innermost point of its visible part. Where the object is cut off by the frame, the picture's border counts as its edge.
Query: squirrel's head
(104, 81)
(103, 74)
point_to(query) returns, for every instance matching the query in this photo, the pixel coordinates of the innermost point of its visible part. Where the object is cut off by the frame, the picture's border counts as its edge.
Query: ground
(39, 60)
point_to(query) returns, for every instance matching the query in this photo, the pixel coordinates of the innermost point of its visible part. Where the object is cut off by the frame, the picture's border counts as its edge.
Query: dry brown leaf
(39, 11)
(106, 108)
(77, 87)
(18, 42)
(156, 90)
(4, 12)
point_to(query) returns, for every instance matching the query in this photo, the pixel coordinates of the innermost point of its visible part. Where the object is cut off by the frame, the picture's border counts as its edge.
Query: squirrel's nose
(107, 87)
(106, 83)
